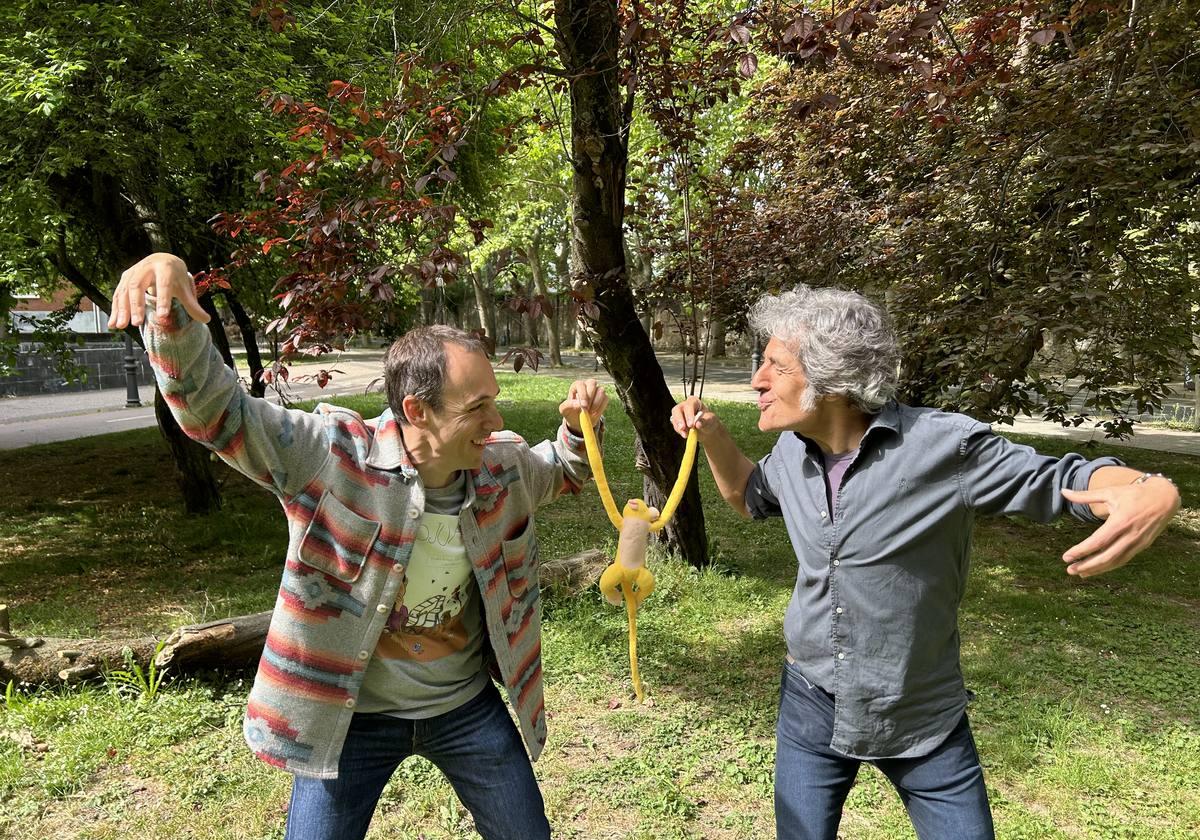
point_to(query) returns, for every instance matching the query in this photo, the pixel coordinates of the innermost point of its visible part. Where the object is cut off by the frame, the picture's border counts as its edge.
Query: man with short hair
(412, 567)
(879, 500)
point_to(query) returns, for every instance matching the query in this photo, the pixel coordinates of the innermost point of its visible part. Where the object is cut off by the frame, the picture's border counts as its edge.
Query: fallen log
(231, 643)
(47, 662)
(228, 643)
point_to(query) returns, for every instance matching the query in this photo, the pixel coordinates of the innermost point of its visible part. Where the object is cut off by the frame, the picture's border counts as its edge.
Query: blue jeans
(476, 746)
(943, 791)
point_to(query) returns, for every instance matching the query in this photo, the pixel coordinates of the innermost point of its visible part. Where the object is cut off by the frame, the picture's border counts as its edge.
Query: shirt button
(823, 514)
(350, 703)
(413, 513)
(841, 656)
(837, 562)
(399, 567)
(382, 608)
(364, 654)
(838, 610)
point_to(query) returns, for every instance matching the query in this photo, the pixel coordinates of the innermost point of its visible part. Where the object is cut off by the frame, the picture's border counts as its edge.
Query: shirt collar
(388, 453)
(387, 446)
(483, 490)
(887, 420)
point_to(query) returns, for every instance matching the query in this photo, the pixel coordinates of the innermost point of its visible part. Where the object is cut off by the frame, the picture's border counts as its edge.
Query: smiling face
(454, 435)
(781, 386)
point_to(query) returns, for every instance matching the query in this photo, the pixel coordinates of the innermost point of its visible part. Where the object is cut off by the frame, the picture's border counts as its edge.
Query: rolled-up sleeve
(1002, 477)
(561, 465)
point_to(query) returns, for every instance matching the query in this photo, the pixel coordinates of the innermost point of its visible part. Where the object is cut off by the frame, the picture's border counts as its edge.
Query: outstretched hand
(1137, 514)
(163, 275)
(585, 394)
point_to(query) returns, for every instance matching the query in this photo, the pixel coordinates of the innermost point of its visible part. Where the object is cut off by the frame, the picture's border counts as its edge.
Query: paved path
(25, 421)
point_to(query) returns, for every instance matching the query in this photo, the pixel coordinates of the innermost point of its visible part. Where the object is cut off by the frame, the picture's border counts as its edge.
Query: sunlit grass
(1087, 712)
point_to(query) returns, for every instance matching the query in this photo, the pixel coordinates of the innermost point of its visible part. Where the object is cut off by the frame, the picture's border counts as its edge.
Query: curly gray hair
(844, 341)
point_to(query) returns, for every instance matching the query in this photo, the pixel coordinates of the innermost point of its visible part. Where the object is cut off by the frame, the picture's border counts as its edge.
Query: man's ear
(415, 410)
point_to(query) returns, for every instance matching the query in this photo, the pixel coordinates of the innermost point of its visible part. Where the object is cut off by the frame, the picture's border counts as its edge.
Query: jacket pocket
(521, 560)
(337, 540)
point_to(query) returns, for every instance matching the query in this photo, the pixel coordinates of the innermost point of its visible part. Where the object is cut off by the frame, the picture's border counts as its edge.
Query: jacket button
(399, 567)
(413, 513)
(364, 654)
(350, 703)
(382, 608)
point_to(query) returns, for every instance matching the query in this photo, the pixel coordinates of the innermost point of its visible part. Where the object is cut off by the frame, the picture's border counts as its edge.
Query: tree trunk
(485, 303)
(229, 642)
(201, 494)
(217, 330)
(534, 255)
(587, 40)
(528, 334)
(199, 488)
(562, 264)
(250, 339)
(716, 336)
(428, 306)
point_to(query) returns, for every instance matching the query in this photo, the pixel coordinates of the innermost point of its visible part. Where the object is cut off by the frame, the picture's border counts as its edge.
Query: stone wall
(104, 363)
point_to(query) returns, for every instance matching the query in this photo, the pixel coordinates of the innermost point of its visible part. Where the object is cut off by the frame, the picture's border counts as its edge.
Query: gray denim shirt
(874, 616)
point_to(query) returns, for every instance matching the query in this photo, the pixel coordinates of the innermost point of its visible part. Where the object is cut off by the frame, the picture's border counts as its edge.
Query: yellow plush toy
(627, 576)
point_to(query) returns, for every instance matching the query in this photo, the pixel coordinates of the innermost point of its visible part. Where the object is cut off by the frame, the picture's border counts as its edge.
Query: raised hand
(163, 275)
(584, 394)
(693, 414)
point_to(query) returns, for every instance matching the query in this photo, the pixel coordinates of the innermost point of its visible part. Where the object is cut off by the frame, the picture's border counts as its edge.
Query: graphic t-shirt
(429, 659)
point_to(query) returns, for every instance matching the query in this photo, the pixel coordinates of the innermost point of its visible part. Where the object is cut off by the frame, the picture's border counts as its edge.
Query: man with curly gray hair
(879, 500)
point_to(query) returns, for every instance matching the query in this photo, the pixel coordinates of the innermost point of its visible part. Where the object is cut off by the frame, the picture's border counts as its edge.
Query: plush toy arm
(597, 461)
(685, 472)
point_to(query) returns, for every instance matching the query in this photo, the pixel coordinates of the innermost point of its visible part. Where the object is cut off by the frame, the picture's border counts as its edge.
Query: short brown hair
(415, 365)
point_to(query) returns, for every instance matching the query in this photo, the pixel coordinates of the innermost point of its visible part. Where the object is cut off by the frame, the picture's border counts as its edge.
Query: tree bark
(250, 339)
(229, 643)
(217, 330)
(485, 302)
(528, 334)
(587, 39)
(197, 484)
(534, 256)
(716, 335)
(56, 661)
(201, 493)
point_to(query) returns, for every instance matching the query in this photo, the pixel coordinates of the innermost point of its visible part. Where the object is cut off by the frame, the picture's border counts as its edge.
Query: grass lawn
(1087, 708)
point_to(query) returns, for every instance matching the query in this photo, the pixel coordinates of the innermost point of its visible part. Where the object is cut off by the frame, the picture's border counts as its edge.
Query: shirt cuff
(575, 441)
(1080, 481)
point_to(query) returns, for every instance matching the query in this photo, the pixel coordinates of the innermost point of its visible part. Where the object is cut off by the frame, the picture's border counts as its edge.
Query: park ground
(1087, 707)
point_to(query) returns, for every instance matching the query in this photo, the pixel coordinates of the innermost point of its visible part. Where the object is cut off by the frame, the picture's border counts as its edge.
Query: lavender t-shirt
(835, 469)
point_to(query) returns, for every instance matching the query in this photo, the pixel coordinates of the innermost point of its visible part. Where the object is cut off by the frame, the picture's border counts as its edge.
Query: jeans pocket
(792, 669)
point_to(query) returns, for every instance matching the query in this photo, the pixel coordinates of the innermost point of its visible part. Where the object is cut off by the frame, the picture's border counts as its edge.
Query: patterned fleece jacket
(353, 501)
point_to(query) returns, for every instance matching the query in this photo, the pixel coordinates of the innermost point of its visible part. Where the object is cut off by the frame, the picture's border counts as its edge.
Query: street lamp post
(132, 398)
(756, 356)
